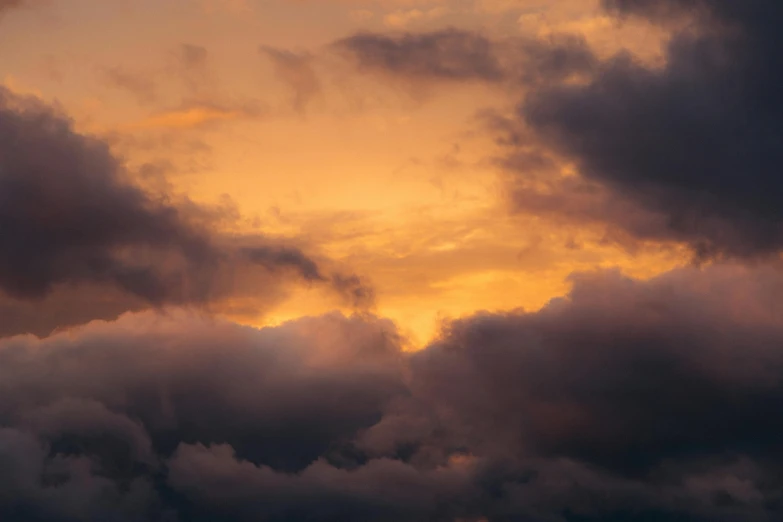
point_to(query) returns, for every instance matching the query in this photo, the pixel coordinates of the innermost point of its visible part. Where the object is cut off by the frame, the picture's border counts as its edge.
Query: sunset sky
(391, 260)
(252, 105)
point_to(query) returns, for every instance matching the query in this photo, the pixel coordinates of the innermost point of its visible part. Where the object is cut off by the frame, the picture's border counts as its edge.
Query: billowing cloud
(71, 215)
(67, 213)
(695, 141)
(624, 399)
(691, 145)
(94, 417)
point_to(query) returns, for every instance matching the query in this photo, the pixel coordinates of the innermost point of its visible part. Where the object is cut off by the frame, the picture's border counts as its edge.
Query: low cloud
(71, 215)
(624, 399)
(691, 143)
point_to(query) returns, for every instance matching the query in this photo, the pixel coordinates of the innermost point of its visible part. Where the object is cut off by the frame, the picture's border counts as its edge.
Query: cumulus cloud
(70, 214)
(695, 141)
(611, 403)
(623, 400)
(692, 145)
(67, 212)
(101, 410)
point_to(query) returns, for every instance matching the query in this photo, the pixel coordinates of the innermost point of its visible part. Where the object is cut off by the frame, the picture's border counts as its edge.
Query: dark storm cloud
(698, 141)
(71, 215)
(624, 400)
(92, 419)
(695, 144)
(381, 490)
(621, 374)
(67, 212)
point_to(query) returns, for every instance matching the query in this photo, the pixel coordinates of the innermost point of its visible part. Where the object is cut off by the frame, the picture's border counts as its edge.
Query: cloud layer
(625, 399)
(652, 400)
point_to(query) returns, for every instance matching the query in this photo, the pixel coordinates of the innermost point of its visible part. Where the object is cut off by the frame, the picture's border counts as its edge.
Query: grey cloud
(625, 399)
(278, 257)
(71, 216)
(383, 489)
(697, 141)
(456, 55)
(67, 212)
(635, 394)
(449, 54)
(108, 405)
(693, 145)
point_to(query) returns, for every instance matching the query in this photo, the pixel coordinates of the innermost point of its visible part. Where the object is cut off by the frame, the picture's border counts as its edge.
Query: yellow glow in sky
(394, 182)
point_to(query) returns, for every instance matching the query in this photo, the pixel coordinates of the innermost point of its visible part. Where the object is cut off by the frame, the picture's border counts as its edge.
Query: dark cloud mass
(92, 420)
(624, 400)
(695, 145)
(71, 215)
(698, 141)
(67, 212)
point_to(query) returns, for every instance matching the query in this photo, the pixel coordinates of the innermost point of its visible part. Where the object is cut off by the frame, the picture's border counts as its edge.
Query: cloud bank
(653, 400)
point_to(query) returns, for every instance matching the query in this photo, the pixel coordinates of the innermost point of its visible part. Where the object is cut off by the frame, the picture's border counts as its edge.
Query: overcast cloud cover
(623, 400)
(644, 400)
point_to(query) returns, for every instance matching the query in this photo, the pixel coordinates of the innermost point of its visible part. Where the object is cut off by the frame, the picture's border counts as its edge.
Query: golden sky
(391, 260)
(247, 104)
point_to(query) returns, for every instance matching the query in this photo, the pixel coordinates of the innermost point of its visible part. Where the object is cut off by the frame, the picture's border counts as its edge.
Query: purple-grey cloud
(644, 400)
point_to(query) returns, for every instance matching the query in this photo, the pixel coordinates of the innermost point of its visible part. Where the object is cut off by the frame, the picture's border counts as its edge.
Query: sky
(391, 260)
